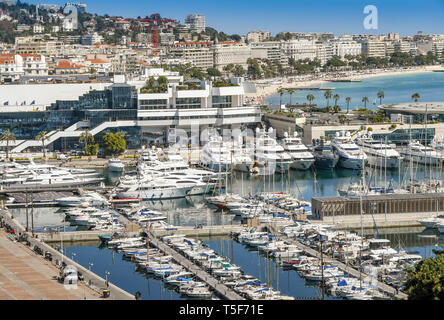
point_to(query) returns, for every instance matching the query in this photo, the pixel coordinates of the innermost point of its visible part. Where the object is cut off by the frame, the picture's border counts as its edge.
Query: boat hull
(302, 164)
(351, 163)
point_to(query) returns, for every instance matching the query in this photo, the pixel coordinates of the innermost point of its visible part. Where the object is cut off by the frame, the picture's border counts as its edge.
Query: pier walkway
(26, 276)
(91, 280)
(220, 288)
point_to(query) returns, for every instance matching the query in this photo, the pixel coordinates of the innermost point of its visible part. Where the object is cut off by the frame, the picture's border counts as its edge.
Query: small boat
(105, 238)
(115, 165)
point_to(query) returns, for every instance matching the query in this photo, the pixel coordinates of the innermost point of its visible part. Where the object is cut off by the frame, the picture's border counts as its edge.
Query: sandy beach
(265, 88)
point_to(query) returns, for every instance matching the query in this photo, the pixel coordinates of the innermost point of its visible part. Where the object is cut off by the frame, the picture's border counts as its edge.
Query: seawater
(396, 89)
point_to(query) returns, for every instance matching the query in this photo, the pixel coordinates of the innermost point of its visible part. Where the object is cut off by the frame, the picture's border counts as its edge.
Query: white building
(374, 48)
(196, 22)
(38, 28)
(205, 107)
(300, 49)
(226, 53)
(343, 47)
(258, 36)
(14, 66)
(91, 39)
(198, 54)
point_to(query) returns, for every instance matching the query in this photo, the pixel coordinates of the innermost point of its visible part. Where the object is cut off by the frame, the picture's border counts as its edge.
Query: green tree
(365, 100)
(281, 92)
(7, 136)
(290, 92)
(416, 97)
(348, 100)
(426, 280)
(114, 144)
(92, 149)
(86, 137)
(213, 72)
(336, 97)
(238, 70)
(42, 137)
(310, 99)
(381, 96)
(327, 95)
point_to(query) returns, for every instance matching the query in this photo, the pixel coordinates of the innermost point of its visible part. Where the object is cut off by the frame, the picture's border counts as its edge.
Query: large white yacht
(156, 189)
(350, 154)
(417, 152)
(303, 159)
(23, 176)
(243, 155)
(379, 154)
(115, 165)
(215, 155)
(269, 154)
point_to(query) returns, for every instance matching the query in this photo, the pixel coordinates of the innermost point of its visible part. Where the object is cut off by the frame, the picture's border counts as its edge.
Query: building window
(222, 101)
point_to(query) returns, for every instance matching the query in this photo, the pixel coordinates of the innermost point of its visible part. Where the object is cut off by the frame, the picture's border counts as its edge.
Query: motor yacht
(379, 154)
(115, 165)
(302, 158)
(416, 152)
(270, 155)
(351, 156)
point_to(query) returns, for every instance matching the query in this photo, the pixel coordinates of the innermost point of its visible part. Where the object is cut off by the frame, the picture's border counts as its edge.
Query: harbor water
(397, 89)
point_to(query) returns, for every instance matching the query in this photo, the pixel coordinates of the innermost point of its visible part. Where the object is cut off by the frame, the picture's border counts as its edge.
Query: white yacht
(243, 157)
(303, 159)
(416, 152)
(270, 156)
(350, 154)
(156, 189)
(91, 198)
(215, 155)
(432, 222)
(115, 165)
(379, 154)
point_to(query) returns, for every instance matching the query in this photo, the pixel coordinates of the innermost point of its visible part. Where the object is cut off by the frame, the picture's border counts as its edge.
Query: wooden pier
(348, 269)
(221, 289)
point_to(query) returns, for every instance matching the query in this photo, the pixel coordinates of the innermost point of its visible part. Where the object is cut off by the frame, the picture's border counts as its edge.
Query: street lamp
(72, 256)
(106, 280)
(90, 265)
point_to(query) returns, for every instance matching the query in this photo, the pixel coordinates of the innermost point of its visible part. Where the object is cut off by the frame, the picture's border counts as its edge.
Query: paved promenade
(26, 276)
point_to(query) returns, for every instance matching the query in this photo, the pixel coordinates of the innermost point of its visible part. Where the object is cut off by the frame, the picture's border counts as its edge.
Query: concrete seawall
(92, 280)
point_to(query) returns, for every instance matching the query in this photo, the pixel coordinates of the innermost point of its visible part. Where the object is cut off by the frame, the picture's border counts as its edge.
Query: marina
(254, 203)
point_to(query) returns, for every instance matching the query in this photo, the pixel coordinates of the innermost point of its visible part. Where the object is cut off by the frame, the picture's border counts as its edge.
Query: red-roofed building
(13, 66)
(68, 67)
(101, 66)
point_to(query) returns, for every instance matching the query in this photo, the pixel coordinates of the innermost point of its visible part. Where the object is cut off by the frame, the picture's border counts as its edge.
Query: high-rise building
(196, 22)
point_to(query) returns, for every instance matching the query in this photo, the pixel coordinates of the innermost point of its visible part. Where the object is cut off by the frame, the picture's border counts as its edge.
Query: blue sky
(237, 16)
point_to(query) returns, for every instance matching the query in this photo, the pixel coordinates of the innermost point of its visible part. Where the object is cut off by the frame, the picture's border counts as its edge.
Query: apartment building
(14, 66)
(374, 48)
(195, 22)
(226, 53)
(258, 36)
(198, 54)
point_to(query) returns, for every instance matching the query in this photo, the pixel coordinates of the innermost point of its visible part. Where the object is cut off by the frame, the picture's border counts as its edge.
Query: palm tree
(416, 97)
(290, 92)
(281, 92)
(365, 100)
(336, 97)
(381, 96)
(86, 137)
(42, 137)
(310, 99)
(7, 136)
(348, 100)
(327, 96)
